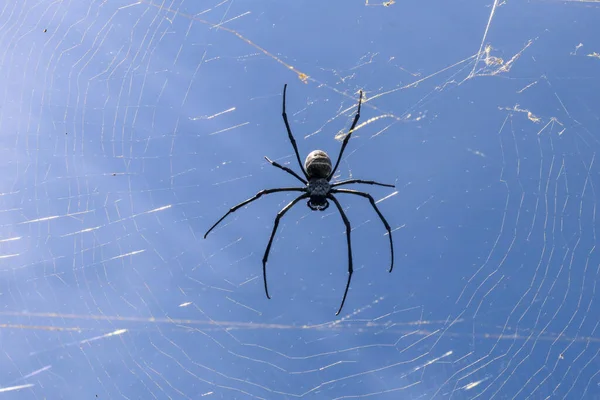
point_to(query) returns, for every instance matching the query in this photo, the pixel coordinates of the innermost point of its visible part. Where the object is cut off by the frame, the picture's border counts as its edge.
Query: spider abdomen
(318, 164)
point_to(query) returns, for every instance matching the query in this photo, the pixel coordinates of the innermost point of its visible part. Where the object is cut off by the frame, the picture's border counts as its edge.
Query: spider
(318, 190)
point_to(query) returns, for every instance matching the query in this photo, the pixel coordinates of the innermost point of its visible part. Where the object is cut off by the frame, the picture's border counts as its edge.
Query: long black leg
(268, 249)
(287, 126)
(372, 200)
(348, 229)
(286, 169)
(243, 203)
(347, 138)
(349, 181)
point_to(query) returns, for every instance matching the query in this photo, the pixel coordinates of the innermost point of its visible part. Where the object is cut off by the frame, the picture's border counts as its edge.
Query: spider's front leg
(381, 217)
(280, 214)
(348, 230)
(250, 200)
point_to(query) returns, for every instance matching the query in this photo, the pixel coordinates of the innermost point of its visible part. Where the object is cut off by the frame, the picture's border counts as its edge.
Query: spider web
(128, 128)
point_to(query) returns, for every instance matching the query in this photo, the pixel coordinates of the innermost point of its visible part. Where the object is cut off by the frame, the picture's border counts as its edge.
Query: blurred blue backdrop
(129, 128)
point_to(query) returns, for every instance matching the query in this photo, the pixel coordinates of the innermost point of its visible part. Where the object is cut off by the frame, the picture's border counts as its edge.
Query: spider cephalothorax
(317, 188)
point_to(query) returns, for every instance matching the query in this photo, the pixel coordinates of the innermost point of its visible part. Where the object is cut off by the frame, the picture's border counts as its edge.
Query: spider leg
(349, 181)
(348, 229)
(347, 138)
(286, 169)
(268, 249)
(290, 135)
(243, 203)
(372, 200)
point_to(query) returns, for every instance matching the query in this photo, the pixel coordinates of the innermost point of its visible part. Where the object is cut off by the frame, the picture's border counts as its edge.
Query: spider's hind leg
(290, 135)
(286, 169)
(347, 138)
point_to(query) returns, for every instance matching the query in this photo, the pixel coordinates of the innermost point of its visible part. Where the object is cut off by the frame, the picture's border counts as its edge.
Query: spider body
(317, 171)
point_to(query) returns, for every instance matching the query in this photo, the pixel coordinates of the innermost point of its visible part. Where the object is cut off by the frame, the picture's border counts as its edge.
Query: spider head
(317, 203)
(318, 164)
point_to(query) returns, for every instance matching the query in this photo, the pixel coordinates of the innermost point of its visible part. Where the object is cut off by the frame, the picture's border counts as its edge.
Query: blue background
(128, 129)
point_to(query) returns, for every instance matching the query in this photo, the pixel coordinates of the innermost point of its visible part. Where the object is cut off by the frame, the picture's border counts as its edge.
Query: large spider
(318, 189)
